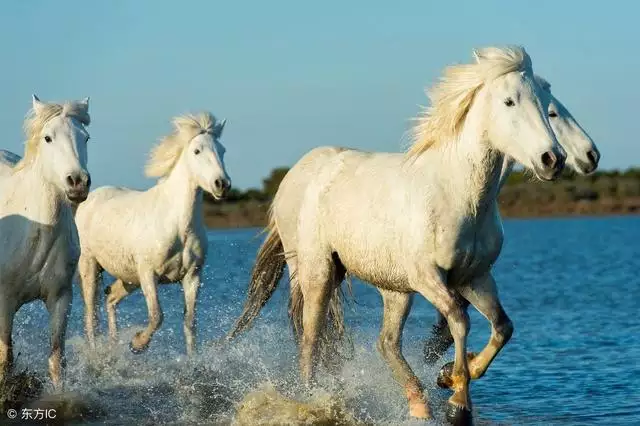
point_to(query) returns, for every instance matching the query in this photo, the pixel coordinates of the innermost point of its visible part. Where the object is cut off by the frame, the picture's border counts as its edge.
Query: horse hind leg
(396, 308)
(315, 278)
(149, 287)
(334, 332)
(117, 291)
(90, 276)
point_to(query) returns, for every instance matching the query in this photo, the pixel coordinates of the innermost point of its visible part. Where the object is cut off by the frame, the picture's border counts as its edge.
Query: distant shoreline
(253, 214)
(605, 193)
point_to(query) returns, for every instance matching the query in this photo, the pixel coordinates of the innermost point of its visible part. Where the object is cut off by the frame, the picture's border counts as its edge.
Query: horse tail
(265, 277)
(335, 331)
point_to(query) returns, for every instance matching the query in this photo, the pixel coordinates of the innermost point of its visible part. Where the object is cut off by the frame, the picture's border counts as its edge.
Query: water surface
(571, 287)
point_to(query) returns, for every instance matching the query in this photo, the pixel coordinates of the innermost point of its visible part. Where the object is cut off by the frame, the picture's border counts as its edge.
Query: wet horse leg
(117, 291)
(90, 276)
(334, 331)
(430, 282)
(483, 295)
(315, 280)
(148, 284)
(58, 308)
(190, 285)
(6, 349)
(441, 340)
(396, 308)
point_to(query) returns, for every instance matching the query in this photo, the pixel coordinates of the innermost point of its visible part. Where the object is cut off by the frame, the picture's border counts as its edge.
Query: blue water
(571, 287)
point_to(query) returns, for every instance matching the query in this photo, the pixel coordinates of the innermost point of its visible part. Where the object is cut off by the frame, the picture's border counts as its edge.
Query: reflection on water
(570, 286)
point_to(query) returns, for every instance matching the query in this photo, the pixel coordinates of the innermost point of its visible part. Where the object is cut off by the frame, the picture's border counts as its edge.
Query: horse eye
(553, 114)
(197, 151)
(509, 102)
(47, 139)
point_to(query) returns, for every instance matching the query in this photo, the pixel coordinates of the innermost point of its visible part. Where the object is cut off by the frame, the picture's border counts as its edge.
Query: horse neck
(44, 202)
(184, 197)
(507, 168)
(469, 168)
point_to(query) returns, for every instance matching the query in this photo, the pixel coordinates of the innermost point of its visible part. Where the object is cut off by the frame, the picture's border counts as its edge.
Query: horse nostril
(71, 181)
(88, 181)
(549, 159)
(218, 184)
(593, 157)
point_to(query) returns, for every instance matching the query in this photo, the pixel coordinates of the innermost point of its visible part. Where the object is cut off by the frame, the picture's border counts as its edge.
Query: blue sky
(291, 75)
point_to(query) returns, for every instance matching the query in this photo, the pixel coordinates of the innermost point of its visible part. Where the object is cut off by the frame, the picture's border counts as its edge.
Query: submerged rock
(268, 407)
(68, 406)
(19, 389)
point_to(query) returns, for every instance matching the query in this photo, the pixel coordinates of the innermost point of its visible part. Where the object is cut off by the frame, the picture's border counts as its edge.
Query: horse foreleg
(396, 308)
(483, 295)
(316, 280)
(117, 291)
(431, 283)
(148, 284)
(58, 308)
(89, 271)
(6, 349)
(190, 286)
(441, 339)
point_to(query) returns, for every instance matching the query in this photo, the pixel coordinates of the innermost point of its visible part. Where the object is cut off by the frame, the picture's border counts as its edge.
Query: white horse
(425, 222)
(38, 236)
(144, 238)
(582, 156)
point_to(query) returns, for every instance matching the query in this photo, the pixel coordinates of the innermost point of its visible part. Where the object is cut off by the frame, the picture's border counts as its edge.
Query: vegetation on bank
(604, 192)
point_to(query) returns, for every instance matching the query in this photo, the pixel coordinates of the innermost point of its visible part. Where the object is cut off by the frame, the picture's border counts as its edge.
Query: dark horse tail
(265, 277)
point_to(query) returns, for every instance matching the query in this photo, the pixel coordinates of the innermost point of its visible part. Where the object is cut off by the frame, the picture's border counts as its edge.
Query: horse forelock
(35, 121)
(165, 154)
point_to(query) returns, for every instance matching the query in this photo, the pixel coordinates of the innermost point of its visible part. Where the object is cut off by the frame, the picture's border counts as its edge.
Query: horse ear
(36, 104)
(85, 104)
(220, 127)
(476, 55)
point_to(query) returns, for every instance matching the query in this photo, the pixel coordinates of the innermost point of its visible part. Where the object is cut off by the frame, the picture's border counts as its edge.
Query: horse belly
(120, 266)
(382, 271)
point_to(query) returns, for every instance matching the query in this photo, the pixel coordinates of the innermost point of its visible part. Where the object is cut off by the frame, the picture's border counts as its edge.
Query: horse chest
(184, 256)
(43, 265)
(469, 253)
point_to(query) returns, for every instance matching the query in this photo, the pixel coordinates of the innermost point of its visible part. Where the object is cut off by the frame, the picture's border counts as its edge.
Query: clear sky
(292, 75)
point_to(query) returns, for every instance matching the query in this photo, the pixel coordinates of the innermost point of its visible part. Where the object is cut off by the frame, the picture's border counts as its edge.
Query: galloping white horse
(38, 236)
(582, 156)
(144, 238)
(426, 222)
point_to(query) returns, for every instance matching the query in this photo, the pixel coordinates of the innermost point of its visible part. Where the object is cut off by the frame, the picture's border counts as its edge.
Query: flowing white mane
(34, 123)
(453, 95)
(165, 155)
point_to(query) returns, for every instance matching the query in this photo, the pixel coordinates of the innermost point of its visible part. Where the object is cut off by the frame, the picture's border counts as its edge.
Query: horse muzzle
(77, 196)
(78, 185)
(221, 187)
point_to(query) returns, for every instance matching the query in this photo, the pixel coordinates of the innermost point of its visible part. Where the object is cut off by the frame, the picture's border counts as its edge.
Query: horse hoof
(137, 351)
(458, 415)
(444, 376)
